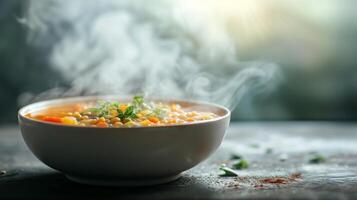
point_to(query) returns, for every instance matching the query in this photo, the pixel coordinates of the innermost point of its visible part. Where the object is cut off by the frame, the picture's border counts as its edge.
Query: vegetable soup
(138, 112)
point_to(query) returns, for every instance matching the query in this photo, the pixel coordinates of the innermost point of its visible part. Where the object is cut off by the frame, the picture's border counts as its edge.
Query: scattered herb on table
(242, 164)
(317, 159)
(235, 156)
(274, 180)
(228, 172)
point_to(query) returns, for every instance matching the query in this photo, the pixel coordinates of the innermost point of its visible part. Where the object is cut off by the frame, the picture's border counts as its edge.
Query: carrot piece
(102, 124)
(52, 119)
(153, 119)
(123, 107)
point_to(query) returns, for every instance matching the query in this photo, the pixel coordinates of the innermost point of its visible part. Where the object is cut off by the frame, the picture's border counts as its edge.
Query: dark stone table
(278, 154)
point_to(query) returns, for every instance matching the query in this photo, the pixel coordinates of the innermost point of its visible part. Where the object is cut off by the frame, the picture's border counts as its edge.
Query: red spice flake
(281, 180)
(277, 180)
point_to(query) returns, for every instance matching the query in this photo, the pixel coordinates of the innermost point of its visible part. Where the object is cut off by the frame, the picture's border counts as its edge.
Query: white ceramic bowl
(122, 156)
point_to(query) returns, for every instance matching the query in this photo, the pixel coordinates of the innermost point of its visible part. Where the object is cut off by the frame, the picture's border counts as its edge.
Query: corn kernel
(101, 119)
(190, 119)
(130, 124)
(172, 121)
(77, 115)
(144, 112)
(84, 117)
(145, 123)
(192, 114)
(118, 124)
(113, 113)
(69, 120)
(115, 119)
(173, 107)
(92, 121)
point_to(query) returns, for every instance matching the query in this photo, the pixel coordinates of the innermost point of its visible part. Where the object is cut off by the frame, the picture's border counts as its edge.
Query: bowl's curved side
(124, 153)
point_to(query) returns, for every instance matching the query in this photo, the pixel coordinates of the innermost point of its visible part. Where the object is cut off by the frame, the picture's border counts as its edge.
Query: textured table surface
(264, 145)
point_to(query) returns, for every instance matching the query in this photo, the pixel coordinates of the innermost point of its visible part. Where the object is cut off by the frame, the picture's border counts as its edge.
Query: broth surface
(116, 114)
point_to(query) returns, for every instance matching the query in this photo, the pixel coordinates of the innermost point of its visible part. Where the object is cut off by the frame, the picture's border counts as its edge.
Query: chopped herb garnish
(107, 108)
(158, 112)
(129, 111)
(138, 100)
(227, 171)
(317, 159)
(242, 164)
(127, 114)
(236, 156)
(103, 108)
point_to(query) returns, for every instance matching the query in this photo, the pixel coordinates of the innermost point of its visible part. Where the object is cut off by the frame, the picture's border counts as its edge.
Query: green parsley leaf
(317, 159)
(242, 164)
(138, 100)
(129, 111)
(121, 115)
(227, 171)
(105, 108)
(235, 156)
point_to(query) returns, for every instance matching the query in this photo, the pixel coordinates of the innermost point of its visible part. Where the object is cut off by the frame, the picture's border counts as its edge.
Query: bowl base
(122, 182)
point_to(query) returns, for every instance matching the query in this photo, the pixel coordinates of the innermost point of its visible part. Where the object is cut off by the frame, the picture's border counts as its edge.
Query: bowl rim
(63, 100)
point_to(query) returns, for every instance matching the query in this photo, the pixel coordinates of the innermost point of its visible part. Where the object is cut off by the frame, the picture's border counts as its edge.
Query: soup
(136, 113)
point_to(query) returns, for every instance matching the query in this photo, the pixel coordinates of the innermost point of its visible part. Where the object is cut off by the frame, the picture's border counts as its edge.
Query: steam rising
(159, 48)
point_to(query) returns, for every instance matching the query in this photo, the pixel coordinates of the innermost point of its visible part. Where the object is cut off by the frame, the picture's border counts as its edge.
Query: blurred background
(61, 46)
